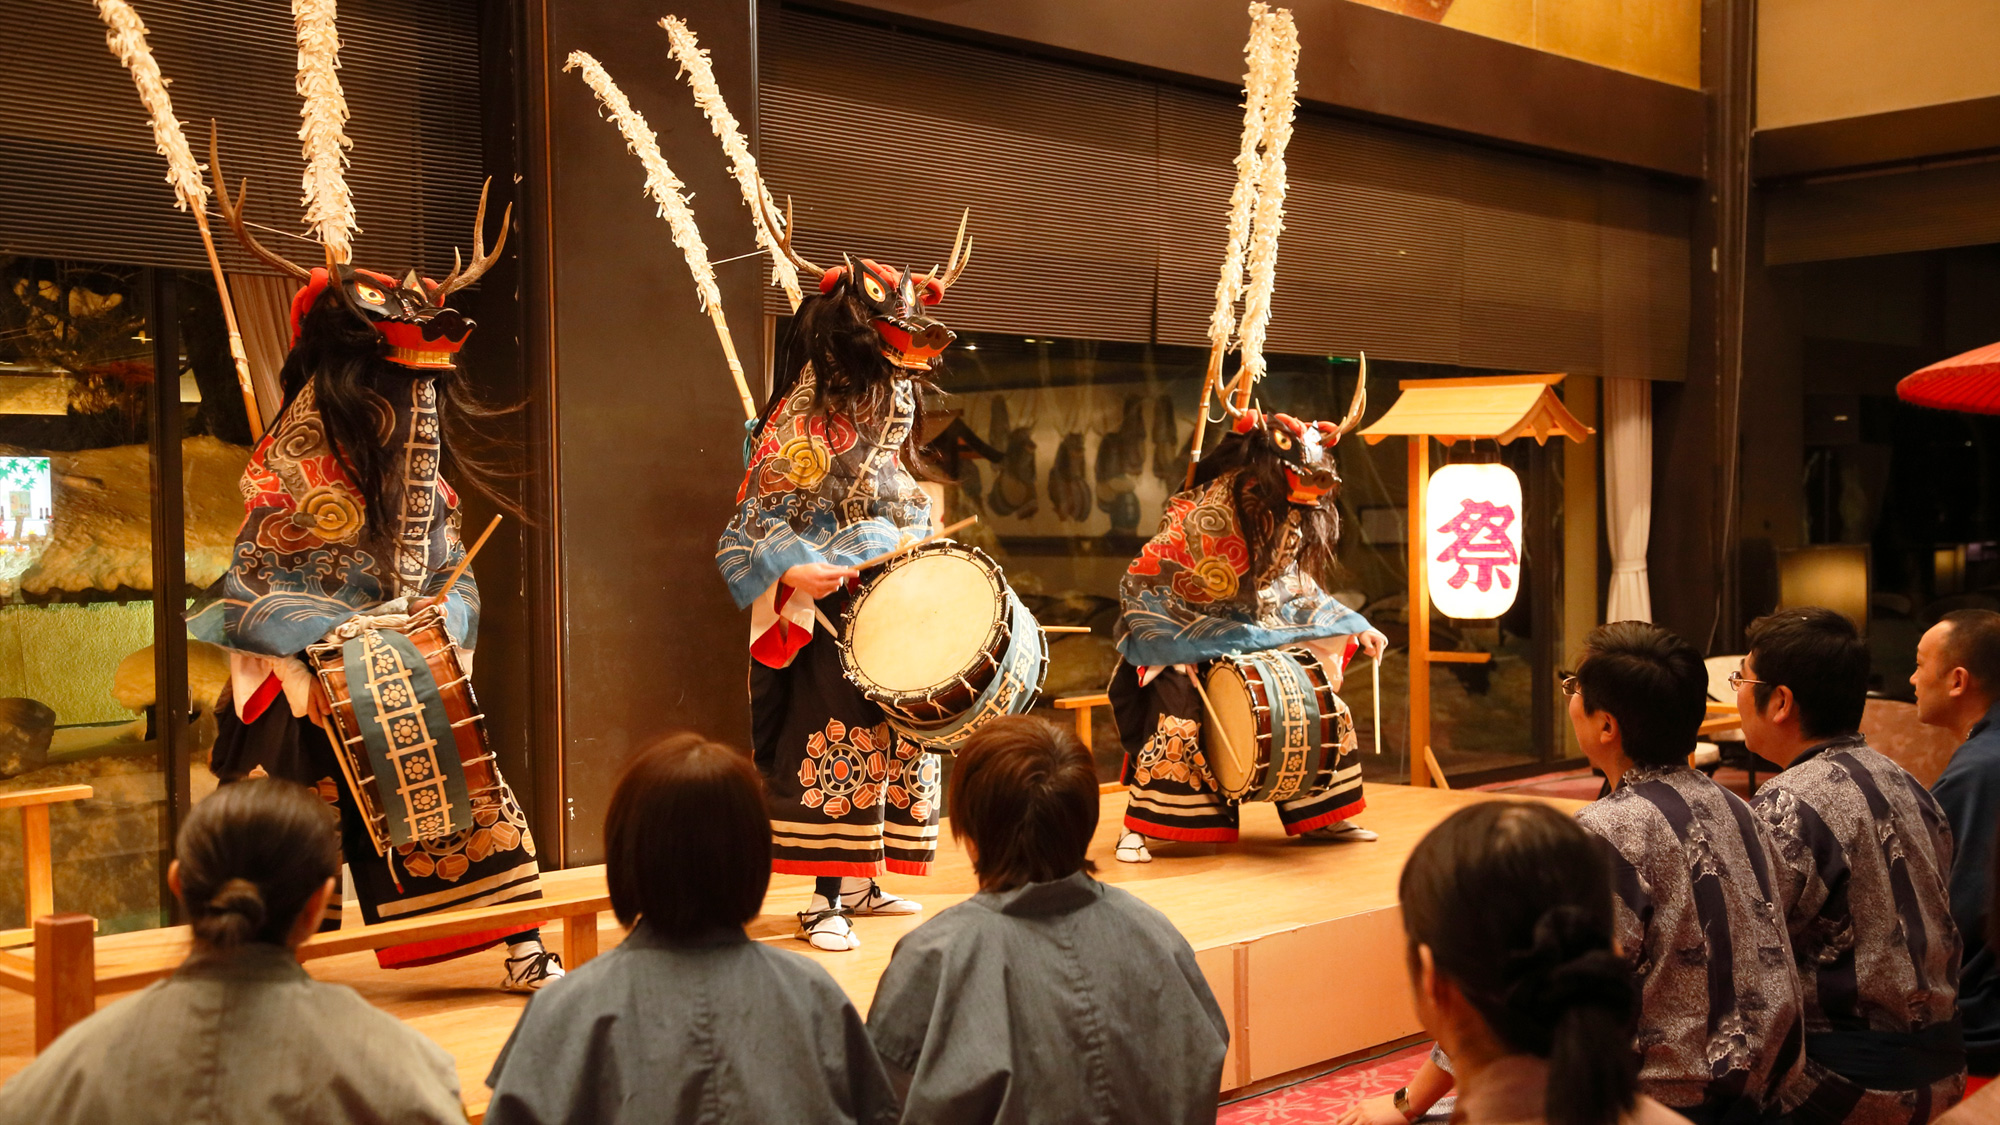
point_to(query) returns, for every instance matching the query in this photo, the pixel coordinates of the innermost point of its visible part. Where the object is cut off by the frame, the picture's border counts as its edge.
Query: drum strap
(1294, 717)
(404, 728)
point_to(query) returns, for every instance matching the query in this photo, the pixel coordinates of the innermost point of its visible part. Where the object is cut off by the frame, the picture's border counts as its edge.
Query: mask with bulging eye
(894, 301)
(1302, 448)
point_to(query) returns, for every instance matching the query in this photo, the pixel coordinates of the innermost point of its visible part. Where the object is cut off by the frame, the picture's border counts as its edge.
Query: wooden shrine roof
(1501, 407)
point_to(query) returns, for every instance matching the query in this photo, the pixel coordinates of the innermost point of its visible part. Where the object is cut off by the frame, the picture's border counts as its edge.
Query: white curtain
(264, 316)
(1628, 495)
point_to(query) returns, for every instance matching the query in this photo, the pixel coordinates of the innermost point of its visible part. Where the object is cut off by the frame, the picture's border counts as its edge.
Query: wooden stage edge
(1301, 941)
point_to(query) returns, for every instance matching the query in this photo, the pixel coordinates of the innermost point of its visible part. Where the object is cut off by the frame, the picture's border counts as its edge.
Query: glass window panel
(76, 613)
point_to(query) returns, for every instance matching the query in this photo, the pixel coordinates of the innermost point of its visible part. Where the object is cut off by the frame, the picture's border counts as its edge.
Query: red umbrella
(1969, 382)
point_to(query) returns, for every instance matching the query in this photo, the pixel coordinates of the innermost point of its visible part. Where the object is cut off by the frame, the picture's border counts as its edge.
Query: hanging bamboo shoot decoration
(701, 79)
(666, 188)
(126, 36)
(323, 130)
(1256, 212)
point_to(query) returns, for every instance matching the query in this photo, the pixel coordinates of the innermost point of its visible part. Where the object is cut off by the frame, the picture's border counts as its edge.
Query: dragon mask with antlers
(1302, 450)
(418, 327)
(892, 302)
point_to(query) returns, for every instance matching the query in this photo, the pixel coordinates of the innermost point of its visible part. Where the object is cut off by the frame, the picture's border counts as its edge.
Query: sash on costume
(1294, 722)
(408, 738)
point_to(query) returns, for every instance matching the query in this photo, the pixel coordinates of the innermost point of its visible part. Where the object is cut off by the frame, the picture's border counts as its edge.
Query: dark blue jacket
(1969, 793)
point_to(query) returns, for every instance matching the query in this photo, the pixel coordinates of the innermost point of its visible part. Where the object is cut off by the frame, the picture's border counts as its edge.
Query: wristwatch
(1401, 1100)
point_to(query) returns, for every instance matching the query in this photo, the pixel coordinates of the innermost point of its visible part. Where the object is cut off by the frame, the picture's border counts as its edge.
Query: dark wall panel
(648, 425)
(1356, 57)
(79, 176)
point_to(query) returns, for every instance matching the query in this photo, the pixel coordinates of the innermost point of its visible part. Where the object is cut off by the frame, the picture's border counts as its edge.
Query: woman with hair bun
(1508, 911)
(240, 1033)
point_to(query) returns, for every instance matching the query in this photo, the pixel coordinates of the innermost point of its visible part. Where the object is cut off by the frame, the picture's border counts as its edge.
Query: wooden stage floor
(1302, 942)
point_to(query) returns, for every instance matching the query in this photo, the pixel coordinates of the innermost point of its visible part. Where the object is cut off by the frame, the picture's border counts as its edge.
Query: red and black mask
(417, 329)
(1303, 448)
(894, 302)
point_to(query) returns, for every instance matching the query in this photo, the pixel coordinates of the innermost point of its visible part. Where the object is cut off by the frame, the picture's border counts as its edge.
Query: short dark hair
(687, 842)
(1819, 654)
(1973, 643)
(1652, 682)
(1024, 791)
(251, 853)
(1514, 900)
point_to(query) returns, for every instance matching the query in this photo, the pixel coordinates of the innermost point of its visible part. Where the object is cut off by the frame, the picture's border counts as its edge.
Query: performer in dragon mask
(1234, 570)
(348, 514)
(831, 481)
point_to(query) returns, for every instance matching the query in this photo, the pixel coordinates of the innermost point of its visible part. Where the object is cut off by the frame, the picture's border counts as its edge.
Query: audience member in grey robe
(1863, 858)
(1719, 1030)
(712, 1028)
(688, 1020)
(240, 1033)
(1048, 996)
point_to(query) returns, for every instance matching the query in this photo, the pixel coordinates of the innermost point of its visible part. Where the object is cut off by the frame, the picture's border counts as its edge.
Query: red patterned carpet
(1322, 1099)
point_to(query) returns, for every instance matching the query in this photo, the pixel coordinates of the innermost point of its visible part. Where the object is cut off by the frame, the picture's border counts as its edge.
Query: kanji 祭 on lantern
(1474, 539)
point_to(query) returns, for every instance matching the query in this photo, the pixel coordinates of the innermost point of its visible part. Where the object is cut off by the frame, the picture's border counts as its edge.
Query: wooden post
(1083, 725)
(39, 861)
(65, 974)
(579, 939)
(1419, 615)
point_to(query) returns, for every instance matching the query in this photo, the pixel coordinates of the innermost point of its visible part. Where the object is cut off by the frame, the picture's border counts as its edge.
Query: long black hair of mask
(342, 353)
(1262, 505)
(831, 332)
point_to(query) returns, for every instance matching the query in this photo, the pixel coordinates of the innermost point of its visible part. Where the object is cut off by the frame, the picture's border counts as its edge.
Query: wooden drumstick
(906, 548)
(830, 630)
(1213, 717)
(467, 560)
(1065, 628)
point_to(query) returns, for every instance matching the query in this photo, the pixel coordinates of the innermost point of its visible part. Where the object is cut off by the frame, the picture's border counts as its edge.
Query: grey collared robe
(1698, 916)
(1069, 1001)
(1863, 862)
(723, 1029)
(235, 1039)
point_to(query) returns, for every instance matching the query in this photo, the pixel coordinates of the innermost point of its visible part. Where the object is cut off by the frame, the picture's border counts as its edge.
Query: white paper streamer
(1277, 71)
(322, 131)
(126, 36)
(701, 79)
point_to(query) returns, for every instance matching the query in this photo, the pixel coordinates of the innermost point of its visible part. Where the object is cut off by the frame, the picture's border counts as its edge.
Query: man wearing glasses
(1719, 1033)
(1863, 857)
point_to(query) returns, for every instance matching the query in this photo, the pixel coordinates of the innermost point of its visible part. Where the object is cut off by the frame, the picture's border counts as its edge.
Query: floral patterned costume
(301, 569)
(847, 795)
(1188, 598)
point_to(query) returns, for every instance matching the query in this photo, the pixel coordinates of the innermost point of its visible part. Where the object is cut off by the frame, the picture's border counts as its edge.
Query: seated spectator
(1698, 917)
(1862, 854)
(1958, 681)
(688, 1019)
(1047, 996)
(240, 1033)
(1508, 909)
(1982, 1105)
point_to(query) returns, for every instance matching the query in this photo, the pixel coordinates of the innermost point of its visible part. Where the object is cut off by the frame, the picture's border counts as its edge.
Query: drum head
(1230, 759)
(926, 621)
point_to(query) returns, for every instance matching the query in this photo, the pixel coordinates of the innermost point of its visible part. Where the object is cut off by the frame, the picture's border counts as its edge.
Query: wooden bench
(38, 860)
(1083, 705)
(71, 967)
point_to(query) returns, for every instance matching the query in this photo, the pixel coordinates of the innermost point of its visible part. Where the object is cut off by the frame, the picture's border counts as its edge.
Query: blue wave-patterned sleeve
(820, 487)
(761, 543)
(1161, 628)
(275, 604)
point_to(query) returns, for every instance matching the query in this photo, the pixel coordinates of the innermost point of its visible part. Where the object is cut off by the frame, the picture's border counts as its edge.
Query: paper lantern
(1474, 512)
